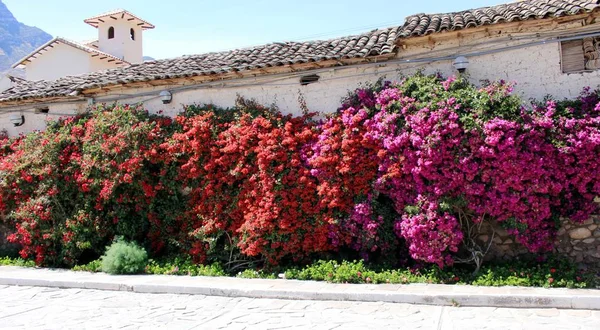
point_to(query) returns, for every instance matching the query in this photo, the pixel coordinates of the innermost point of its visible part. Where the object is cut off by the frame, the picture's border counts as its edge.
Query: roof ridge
(90, 20)
(515, 2)
(425, 24)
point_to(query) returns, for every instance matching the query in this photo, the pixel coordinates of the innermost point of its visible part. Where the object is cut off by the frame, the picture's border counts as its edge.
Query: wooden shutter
(572, 56)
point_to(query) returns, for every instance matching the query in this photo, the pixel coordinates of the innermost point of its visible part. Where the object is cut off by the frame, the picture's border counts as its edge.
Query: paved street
(50, 308)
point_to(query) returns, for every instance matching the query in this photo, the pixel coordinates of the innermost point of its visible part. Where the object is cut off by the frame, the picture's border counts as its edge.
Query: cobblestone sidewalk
(419, 294)
(53, 308)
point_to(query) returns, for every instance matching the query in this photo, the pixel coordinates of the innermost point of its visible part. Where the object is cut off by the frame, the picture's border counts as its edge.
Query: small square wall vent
(42, 110)
(305, 80)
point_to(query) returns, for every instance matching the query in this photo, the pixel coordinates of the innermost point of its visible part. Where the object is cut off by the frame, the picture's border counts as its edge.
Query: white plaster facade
(536, 71)
(125, 44)
(64, 60)
(35, 121)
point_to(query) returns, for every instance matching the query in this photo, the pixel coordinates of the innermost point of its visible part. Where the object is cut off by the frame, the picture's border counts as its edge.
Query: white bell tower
(120, 34)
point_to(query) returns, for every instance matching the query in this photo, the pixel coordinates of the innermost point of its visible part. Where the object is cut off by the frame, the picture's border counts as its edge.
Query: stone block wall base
(579, 242)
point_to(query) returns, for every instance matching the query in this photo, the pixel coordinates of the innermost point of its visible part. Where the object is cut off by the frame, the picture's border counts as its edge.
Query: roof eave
(36, 100)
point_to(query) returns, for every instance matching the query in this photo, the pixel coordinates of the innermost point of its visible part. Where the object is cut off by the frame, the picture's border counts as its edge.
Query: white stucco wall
(60, 61)
(121, 45)
(36, 121)
(536, 71)
(64, 60)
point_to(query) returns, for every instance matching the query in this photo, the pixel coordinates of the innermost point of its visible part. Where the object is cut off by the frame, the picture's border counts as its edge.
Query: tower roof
(118, 14)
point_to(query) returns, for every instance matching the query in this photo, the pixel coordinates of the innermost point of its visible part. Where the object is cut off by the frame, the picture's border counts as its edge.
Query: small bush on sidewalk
(124, 258)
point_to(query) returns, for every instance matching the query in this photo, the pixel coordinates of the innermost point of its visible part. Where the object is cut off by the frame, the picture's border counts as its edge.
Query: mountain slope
(17, 39)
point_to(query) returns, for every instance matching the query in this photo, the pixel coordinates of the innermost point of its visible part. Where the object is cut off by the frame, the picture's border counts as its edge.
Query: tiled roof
(94, 21)
(27, 89)
(378, 42)
(424, 24)
(374, 43)
(85, 48)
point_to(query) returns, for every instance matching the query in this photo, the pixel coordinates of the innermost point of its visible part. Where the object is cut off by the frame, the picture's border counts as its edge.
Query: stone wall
(579, 242)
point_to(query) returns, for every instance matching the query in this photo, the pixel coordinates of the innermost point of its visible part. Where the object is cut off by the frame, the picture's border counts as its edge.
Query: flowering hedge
(69, 190)
(401, 170)
(249, 183)
(449, 155)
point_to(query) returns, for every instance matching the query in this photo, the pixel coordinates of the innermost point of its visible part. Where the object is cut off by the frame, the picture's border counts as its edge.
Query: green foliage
(183, 266)
(554, 272)
(358, 272)
(93, 266)
(7, 261)
(250, 273)
(476, 105)
(124, 258)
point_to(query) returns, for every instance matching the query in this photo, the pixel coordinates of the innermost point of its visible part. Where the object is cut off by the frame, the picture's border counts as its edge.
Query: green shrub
(124, 258)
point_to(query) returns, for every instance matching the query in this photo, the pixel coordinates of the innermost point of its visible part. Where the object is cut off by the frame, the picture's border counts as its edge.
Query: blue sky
(199, 26)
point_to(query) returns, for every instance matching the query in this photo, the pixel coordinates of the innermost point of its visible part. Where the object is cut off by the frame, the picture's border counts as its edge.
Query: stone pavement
(53, 308)
(422, 294)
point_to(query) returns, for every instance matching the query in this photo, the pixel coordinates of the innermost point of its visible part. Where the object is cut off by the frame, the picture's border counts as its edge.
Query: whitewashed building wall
(536, 70)
(63, 60)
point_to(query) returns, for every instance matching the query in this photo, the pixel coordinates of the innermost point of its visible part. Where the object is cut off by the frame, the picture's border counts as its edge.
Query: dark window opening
(42, 110)
(305, 80)
(111, 32)
(580, 55)
(132, 34)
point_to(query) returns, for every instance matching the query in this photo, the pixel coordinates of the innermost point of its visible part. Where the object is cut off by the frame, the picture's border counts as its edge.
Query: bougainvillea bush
(449, 156)
(250, 187)
(69, 190)
(401, 172)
